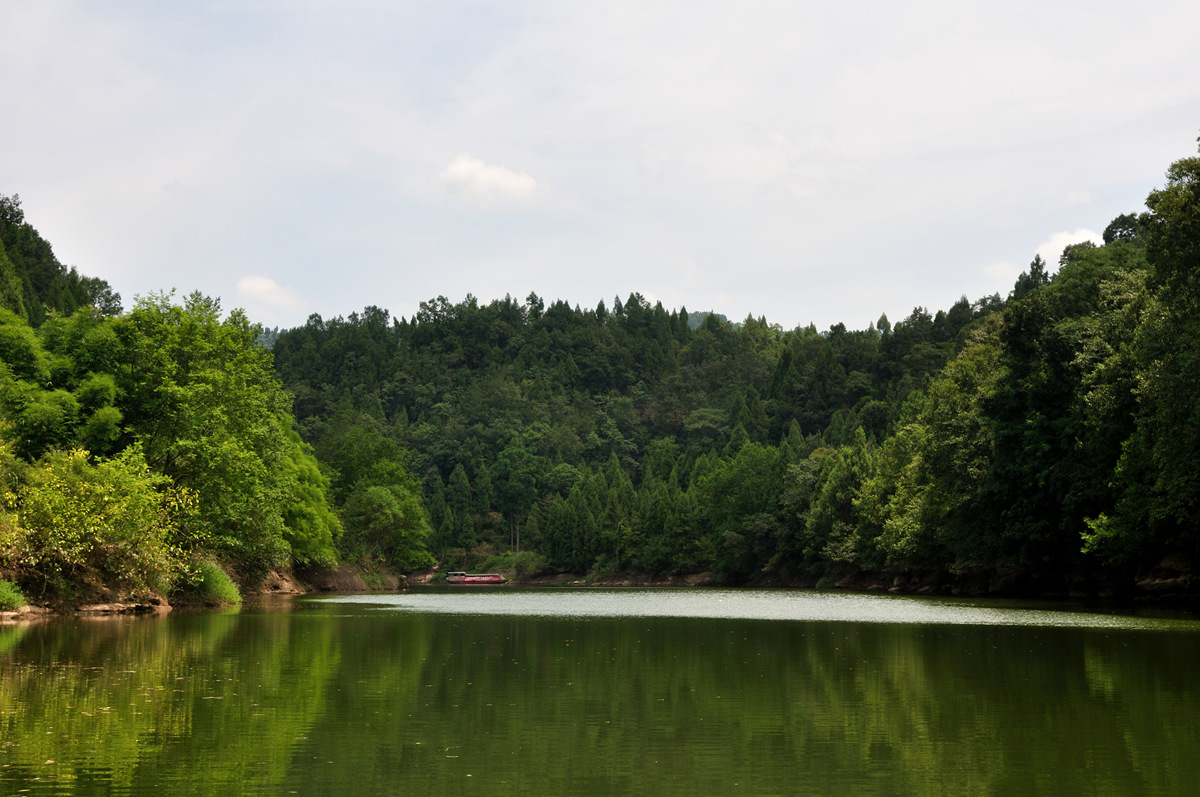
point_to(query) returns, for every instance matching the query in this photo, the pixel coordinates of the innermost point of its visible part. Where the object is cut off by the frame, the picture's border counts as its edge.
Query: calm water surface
(503, 691)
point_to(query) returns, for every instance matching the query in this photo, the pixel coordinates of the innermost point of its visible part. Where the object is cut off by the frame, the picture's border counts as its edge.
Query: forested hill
(1041, 442)
(139, 449)
(1045, 441)
(33, 282)
(606, 437)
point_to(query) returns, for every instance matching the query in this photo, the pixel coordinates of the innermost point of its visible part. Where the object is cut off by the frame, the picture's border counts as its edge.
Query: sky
(810, 162)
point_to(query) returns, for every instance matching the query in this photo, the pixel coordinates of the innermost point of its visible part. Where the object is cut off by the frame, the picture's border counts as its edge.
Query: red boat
(474, 578)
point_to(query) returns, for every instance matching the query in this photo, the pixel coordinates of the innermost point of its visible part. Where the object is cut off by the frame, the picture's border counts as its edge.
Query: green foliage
(310, 526)
(1158, 474)
(208, 585)
(198, 400)
(1126, 227)
(33, 284)
(523, 565)
(47, 420)
(1042, 439)
(10, 596)
(990, 441)
(739, 498)
(112, 524)
(539, 425)
(101, 431)
(175, 402)
(376, 497)
(20, 349)
(833, 527)
(389, 521)
(11, 291)
(201, 396)
(1029, 280)
(955, 461)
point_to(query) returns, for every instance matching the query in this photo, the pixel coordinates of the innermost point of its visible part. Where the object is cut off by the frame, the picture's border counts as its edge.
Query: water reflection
(332, 697)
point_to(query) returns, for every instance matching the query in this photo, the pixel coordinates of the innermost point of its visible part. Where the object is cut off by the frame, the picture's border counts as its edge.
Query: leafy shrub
(525, 564)
(10, 597)
(110, 523)
(528, 564)
(210, 586)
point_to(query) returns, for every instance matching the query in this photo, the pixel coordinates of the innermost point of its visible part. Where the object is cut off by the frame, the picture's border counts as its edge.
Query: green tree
(310, 526)
(46, 285)
(1035, 277)
(739, 498)
(834, 531)
(201, 397)
(112, 524)
(514, 474)
(389, 521)
(939, 516)
(1159, 475)
(1123, 228)
(458, 501)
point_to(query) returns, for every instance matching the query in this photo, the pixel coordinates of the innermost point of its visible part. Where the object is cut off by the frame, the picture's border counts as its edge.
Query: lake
(604, 691)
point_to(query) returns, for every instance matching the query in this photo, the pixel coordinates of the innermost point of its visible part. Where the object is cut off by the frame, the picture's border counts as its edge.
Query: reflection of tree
(402, 702)
(661, 706)
(206, 703)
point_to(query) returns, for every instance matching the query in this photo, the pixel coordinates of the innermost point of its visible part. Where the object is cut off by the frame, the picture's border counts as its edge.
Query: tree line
(137, 445)
(1039, 441)
(1044, 440)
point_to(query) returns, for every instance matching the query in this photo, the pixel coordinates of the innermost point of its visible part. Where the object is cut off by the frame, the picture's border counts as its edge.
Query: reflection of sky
(799, 161)
(752, 605)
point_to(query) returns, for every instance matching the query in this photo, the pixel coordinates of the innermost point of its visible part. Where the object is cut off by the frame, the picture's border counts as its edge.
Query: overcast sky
(810, 162)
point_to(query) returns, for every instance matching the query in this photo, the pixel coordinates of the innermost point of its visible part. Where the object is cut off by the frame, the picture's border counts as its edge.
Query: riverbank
(1172, 584)
(31, 612)
(345, 578)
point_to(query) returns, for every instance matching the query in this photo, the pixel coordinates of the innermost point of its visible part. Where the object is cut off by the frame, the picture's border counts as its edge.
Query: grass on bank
(211, 586)
(11, 598)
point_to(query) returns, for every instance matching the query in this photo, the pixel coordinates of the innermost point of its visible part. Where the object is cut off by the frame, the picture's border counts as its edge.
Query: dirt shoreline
(1172, 585)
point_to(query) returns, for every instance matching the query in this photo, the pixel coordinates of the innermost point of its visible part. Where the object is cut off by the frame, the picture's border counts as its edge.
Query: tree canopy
(1040, 442)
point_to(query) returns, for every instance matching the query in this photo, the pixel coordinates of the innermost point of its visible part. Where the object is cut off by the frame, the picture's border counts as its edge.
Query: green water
(501, 691)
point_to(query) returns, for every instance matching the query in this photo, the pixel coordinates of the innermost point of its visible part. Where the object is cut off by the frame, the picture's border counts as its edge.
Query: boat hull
(475, 578)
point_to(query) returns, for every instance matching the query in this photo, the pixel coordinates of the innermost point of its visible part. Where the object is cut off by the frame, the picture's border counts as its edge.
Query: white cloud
(264, 291)
(471, 177)
(1052, 249)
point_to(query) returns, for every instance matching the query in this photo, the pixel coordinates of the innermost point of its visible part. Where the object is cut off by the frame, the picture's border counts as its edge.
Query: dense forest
(1042, 442)
(140, 450)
